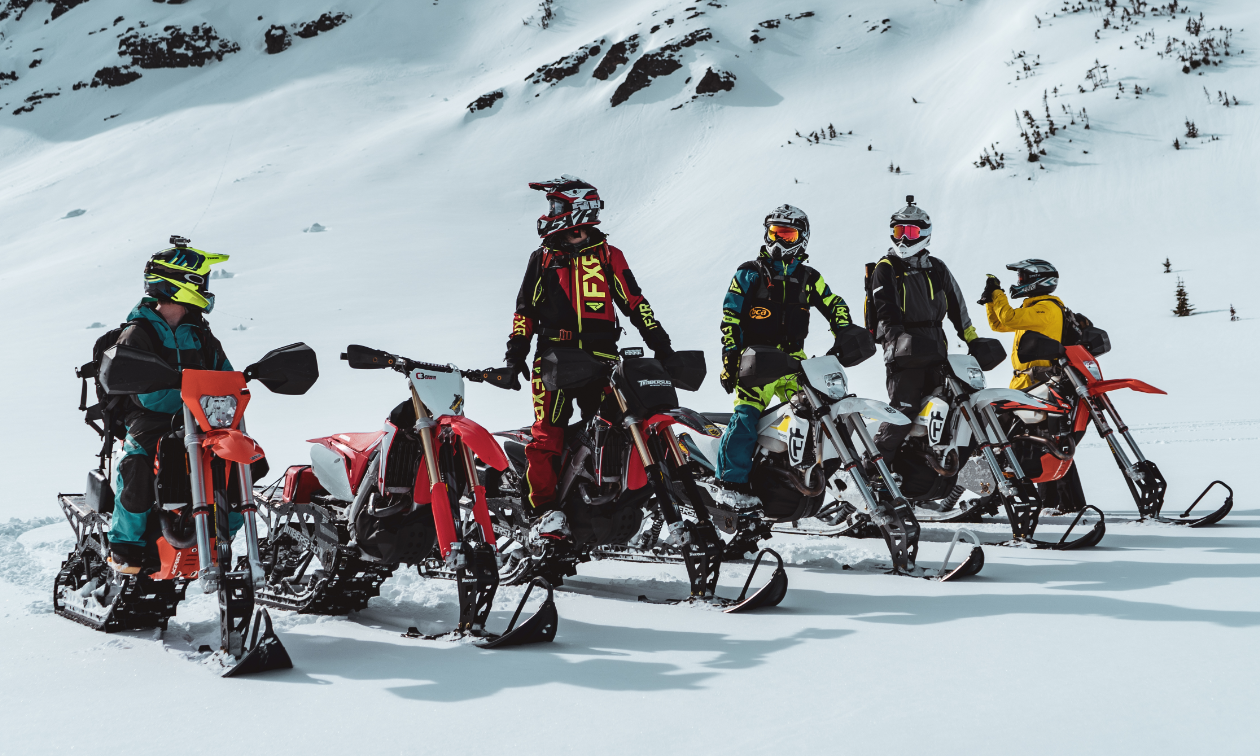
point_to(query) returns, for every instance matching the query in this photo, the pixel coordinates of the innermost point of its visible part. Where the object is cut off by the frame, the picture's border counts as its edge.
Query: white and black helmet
(911, 229)
(1036, 277)
(779, 248)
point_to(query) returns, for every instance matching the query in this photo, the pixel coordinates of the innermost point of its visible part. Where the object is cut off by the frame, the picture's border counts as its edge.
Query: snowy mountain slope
(365, 130)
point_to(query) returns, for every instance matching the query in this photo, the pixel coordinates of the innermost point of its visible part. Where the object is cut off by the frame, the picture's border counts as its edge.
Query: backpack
(106, 416)
(1080, 330)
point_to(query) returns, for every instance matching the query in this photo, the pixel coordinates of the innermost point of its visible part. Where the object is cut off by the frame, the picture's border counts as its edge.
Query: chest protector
(776, 311)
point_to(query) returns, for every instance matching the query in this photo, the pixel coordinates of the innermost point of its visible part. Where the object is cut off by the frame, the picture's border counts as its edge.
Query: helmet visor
(558, 207)
(788, 234)
(906, 232)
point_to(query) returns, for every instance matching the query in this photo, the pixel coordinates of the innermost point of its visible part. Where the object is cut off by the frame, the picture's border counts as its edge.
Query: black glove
(853, 345)
(730, 370)
(991, 284)
(664, 353)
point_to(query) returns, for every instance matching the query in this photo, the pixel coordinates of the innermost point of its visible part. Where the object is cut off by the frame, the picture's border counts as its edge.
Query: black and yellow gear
(1043, 314)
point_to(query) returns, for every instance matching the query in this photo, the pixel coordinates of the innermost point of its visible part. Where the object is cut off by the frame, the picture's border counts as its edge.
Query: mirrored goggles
(784, 233)
(907, 232)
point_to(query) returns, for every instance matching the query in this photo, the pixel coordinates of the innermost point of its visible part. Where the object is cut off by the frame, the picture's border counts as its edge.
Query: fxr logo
(758, 313)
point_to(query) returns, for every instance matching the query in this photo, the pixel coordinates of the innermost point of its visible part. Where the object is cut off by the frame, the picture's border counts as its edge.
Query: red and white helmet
(573, 202)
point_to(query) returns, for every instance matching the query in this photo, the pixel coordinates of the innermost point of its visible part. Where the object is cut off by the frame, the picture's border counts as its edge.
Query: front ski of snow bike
(540, 627)
(770, 594)
(969, 565)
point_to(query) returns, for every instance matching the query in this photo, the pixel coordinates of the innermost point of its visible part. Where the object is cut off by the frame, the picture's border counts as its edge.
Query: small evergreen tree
(1167, 265)
(1183, 307)
(1233, 314)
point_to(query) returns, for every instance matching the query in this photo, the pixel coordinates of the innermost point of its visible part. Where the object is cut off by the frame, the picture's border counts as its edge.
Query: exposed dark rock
(277, 39)
(617, 55)
(15, 8)
(715, 81)
(662, 62)
(35, 63)
(566, 66)
(113, 76)
(5, 78)
(35, 99)
(176, 48)
(770, 24)
(485, 101)
(61, 6)
(324, 23)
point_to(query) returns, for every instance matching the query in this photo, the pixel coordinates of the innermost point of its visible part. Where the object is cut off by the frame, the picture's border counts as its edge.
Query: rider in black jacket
(912, 294)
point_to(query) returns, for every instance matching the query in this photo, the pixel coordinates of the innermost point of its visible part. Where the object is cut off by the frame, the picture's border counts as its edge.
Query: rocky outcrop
(486, 101)
(174, 47)
(565, 67)
(653, 65)
(618, 55)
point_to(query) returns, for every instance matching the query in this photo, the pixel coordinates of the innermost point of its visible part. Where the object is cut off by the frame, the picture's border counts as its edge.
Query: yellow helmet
(181, 274)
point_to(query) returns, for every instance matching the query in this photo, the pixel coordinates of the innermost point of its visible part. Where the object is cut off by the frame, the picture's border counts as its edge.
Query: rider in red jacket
(572, 284)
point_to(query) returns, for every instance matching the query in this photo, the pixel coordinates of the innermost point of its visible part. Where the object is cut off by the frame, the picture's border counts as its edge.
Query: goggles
(784, 233)
(907, 232)
(558, 207)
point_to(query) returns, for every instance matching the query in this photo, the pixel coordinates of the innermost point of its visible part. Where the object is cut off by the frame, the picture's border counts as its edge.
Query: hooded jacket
(189, 345)
(768, 303)
(567, 300)
(916, 295)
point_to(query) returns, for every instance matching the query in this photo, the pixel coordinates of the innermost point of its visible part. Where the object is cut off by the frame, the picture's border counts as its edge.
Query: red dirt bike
(203, 473)
(626, 478)
(1075, 385)
(408, 494)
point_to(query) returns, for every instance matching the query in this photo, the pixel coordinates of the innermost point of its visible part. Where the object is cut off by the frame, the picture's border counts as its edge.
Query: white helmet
(911, 229)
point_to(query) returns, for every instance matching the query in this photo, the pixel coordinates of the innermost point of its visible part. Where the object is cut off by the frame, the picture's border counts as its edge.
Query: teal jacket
(182, 347)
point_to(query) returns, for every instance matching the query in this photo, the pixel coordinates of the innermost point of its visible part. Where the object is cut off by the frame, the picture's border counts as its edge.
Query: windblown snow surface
(365, 164)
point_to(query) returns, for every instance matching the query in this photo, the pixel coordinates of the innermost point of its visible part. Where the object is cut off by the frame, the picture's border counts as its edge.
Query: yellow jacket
(1036, 314)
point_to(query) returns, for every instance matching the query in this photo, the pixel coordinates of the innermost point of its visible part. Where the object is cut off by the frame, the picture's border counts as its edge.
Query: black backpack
(1080, 330)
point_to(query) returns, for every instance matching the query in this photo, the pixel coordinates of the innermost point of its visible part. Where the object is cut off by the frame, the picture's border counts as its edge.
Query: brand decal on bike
(423, 377)
(759, 313)
(656, 383)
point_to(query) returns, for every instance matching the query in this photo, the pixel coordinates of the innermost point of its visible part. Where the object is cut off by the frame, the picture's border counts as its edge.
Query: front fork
(896, 522)
(207, 570)
(1019, 498)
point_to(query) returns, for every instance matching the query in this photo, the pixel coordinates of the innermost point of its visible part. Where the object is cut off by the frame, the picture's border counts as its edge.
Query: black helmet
(1036, 277)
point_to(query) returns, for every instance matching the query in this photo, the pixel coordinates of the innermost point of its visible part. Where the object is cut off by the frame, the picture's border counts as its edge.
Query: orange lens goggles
(786, 233)
(909, 232)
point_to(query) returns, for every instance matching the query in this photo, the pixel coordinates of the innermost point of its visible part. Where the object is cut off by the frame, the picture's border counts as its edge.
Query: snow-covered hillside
(364, 162)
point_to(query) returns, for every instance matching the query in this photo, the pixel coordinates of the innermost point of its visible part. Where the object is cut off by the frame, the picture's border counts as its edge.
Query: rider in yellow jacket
(1043, 313)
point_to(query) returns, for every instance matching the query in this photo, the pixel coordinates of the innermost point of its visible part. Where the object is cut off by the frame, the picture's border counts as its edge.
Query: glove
(664, 353)
(730, 370)
(853, 345)
(991, 284)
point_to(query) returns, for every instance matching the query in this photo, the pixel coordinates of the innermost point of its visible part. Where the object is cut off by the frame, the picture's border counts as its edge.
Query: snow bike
(371, 502)
(625, 476)
(1076, 383)
(203, 473)
(808, 443)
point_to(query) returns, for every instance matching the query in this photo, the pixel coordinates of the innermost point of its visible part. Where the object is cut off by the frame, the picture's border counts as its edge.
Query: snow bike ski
(1076, 378)
(203, 473)
(808, 443)
(406, 495)
(625, 479)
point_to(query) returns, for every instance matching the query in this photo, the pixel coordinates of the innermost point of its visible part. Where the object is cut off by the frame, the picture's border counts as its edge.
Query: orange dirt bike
(1076, 386)
(203, 474)
(409, 494)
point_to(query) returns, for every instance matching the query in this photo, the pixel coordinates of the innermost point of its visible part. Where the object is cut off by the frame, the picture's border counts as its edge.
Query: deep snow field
(1146, 643)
